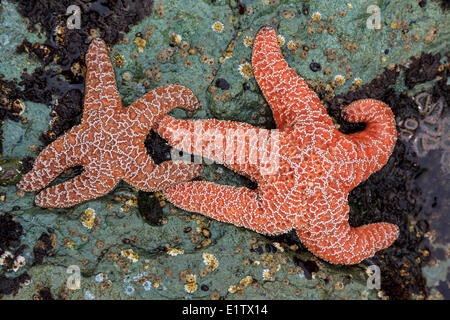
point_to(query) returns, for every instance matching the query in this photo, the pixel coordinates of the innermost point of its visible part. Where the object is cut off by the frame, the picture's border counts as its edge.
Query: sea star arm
(91, 184)
(367, 150)
(325, 231)
(290, 98)
(239, 146)
(145, 175)
(239, 206)
(52, 161)
(101, 89)
(356, 245)
(156, 103)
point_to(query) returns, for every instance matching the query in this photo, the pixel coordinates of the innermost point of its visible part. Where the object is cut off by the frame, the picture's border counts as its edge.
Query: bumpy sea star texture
(304, 170)
(109, 142)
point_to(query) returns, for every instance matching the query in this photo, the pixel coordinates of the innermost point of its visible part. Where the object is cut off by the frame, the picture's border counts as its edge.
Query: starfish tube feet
(76, 190)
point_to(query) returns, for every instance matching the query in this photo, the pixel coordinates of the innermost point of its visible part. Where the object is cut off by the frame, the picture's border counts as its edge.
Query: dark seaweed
(445, 4)
(8, 110)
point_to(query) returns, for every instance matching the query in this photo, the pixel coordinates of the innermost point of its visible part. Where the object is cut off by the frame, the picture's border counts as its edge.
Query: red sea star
(109, 142)
(316, 166)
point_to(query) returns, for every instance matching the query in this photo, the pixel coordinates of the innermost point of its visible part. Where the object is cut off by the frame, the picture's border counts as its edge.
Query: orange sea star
(314, 166)
(109, 142)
